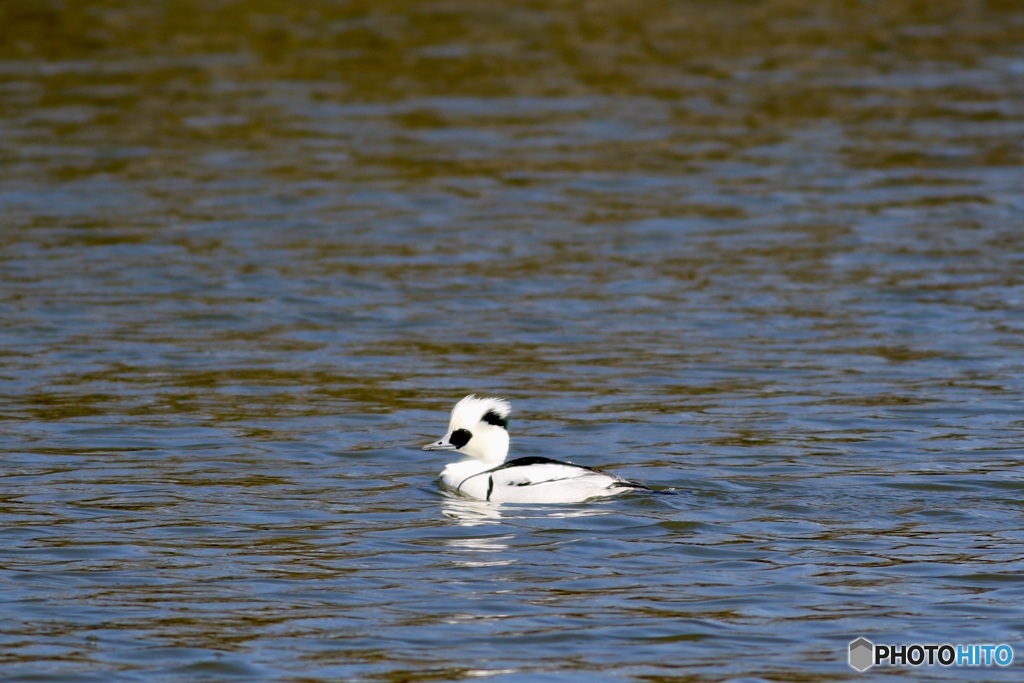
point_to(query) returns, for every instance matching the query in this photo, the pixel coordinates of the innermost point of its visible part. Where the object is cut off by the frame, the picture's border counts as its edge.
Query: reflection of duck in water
(478, 429)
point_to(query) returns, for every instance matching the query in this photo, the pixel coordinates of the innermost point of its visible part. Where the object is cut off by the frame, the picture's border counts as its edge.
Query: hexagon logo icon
(862, 654)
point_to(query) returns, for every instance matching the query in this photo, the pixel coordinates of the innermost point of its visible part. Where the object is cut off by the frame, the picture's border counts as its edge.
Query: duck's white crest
(478, 428)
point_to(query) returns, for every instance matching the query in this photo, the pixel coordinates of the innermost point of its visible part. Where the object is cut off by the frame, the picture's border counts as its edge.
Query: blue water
(781, 284)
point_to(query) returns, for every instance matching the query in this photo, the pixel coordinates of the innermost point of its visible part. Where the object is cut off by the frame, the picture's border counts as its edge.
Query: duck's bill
(441, 445)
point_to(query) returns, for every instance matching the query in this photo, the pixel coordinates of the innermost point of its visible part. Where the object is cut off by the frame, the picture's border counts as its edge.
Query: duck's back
(536, 480)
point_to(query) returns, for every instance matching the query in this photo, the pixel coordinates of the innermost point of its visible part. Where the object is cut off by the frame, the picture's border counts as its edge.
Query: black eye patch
(492, 418)
(460, 437)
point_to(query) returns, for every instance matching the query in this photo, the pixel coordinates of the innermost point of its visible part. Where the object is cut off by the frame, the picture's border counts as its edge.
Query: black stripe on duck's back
(541, 460)
(538, 460)
(627, 484)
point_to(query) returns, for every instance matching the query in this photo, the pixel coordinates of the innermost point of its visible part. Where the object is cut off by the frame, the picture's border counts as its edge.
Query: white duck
(479, 429)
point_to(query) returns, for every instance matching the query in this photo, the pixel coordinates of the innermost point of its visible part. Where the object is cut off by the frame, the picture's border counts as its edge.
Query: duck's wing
(535, 470)
(540, 473)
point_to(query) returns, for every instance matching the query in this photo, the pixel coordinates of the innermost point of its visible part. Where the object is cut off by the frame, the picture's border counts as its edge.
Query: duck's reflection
(485, 547)
(469, 512)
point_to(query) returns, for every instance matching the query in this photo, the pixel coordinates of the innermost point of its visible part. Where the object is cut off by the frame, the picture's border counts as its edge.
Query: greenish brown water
(767, 255)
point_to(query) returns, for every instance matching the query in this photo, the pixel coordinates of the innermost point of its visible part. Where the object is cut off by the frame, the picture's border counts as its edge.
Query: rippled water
(767, 257)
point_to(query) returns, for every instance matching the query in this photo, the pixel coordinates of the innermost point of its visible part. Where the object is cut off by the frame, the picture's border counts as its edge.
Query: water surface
(764, 256)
